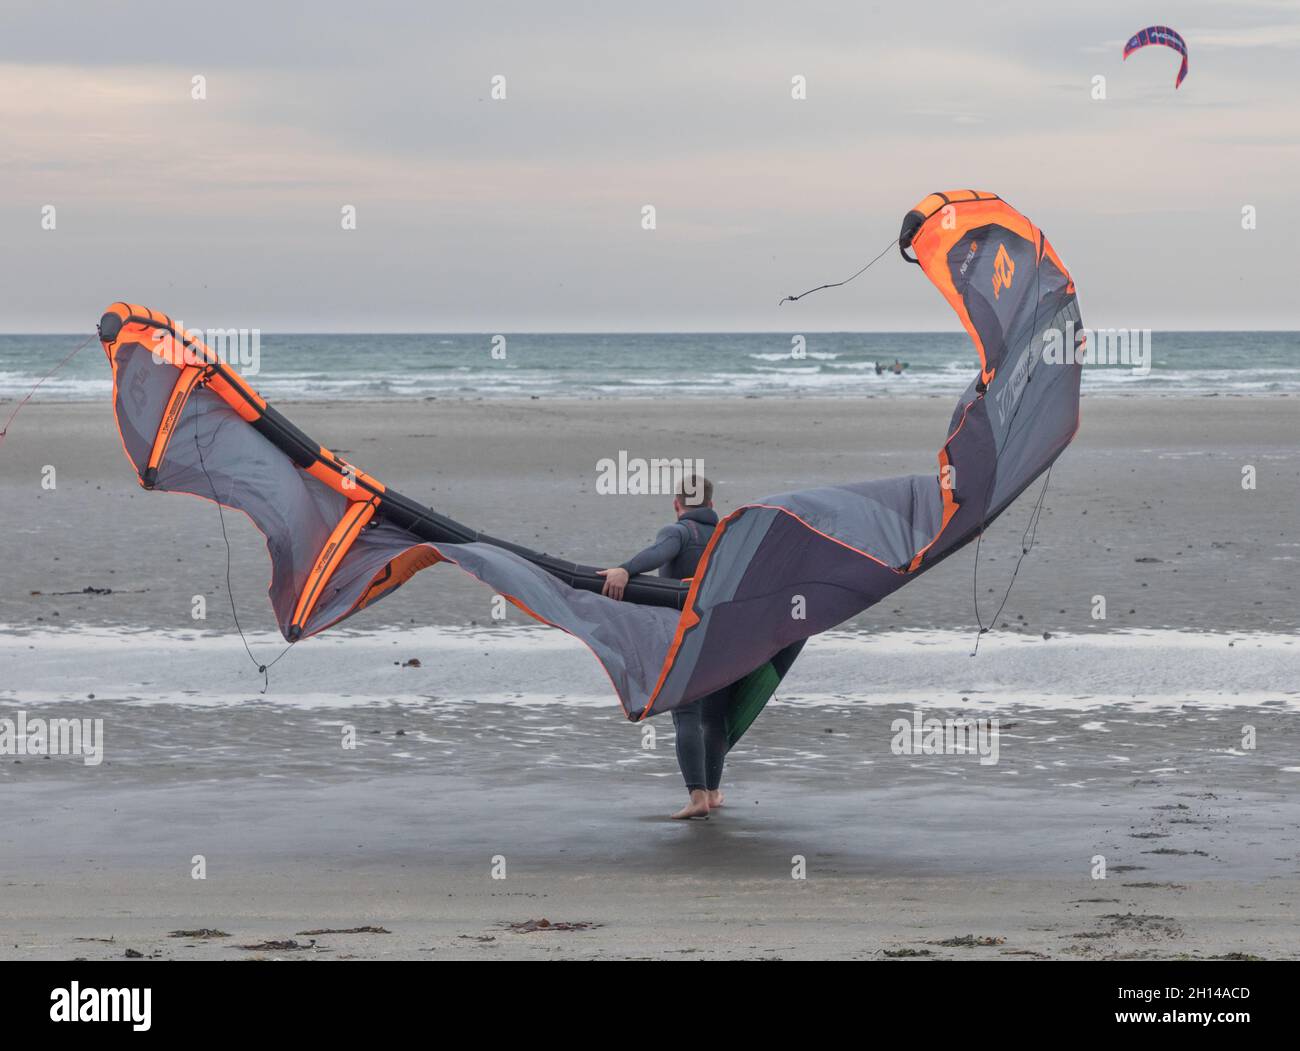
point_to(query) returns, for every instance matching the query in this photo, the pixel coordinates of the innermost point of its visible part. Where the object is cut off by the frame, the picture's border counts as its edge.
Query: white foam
(534, 666)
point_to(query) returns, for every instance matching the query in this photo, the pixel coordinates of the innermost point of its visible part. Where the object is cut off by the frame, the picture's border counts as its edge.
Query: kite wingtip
(109, 327)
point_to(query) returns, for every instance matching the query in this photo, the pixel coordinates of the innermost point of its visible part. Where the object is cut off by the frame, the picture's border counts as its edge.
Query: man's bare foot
(716, 799)
(697, 807)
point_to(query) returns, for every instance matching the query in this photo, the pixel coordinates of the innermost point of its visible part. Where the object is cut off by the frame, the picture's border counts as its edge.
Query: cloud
(472, 210)
(1286, 37)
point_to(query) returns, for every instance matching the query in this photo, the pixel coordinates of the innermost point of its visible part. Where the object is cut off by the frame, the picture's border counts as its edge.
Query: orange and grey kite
(339, 539)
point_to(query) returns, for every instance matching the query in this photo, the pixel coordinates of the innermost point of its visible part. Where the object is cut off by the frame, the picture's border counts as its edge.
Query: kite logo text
(1003, 271)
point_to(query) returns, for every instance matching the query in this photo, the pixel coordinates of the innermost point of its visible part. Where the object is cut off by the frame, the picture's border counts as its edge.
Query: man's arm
(667, 546)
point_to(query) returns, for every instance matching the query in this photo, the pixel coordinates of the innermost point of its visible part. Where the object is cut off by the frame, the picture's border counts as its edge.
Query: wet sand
(405, 833)
(1155, 479)
(1116, 742)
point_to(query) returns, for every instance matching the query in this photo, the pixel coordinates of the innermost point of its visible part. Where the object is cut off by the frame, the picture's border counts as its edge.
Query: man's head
(693, 491)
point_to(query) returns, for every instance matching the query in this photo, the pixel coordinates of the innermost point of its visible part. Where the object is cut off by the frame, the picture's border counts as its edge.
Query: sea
(299, 366)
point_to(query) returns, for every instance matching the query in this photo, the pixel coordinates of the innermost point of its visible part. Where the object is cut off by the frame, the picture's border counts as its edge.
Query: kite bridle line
(209, 370)
(1031, 530)
(230, 591)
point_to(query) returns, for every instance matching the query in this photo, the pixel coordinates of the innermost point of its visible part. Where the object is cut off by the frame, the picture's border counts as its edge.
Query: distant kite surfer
(701, 728)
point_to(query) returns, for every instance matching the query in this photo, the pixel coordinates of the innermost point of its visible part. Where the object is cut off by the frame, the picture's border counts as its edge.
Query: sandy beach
(1146, 507)
(500, 753)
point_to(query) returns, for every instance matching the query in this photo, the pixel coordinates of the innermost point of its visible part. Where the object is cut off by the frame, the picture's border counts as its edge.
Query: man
(701, 727)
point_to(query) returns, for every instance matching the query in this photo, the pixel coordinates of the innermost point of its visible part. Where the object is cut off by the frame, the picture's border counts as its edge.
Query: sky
(525, 213)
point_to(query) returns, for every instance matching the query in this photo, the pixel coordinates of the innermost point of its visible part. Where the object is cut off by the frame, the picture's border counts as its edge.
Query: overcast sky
(525, 214)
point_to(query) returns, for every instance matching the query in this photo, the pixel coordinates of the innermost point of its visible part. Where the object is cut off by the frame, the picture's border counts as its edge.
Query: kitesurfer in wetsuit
(701, 727)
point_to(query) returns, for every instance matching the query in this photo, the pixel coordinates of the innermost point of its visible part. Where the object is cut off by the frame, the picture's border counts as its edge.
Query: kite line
(837, 284)
(230, 591)
(1031, 530)
(28, 397)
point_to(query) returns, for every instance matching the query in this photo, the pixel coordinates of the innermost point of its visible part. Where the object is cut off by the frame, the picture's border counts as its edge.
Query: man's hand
(615, 582)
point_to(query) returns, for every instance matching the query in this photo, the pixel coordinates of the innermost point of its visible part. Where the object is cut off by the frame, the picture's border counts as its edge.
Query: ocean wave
(616, 366)
(815, 355)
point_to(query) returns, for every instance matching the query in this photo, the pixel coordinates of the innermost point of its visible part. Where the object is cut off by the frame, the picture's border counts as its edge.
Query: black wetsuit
(701, 727)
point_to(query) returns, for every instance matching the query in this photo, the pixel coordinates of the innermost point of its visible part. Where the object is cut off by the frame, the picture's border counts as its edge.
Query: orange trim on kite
(933, 203)
(189, 378)
(343, 477)
(397, 572)
(348, 529)
(933, 240)
(157, 332)
(231, 388)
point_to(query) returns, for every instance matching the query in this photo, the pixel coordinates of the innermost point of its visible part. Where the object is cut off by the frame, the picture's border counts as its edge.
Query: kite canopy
(775, 572)
(1159, 35)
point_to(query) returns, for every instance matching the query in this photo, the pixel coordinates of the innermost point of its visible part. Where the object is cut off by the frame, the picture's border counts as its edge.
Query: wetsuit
(701, 727)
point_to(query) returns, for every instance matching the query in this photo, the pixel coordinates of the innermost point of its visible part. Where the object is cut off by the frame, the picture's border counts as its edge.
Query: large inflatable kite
(775, 572)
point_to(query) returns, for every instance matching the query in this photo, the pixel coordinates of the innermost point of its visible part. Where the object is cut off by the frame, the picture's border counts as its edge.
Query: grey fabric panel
(756, 619)
(630, 641)
(1026, 352)
(215, 451)
(1001, 317)
(1042, 422)
(143, 387)
(733, 553)
(889, 519)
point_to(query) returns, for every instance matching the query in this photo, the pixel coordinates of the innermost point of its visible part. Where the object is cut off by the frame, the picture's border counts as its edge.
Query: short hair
(694, 490)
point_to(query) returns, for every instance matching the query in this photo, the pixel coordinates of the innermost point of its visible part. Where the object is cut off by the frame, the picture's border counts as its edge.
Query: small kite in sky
(1159, 35)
